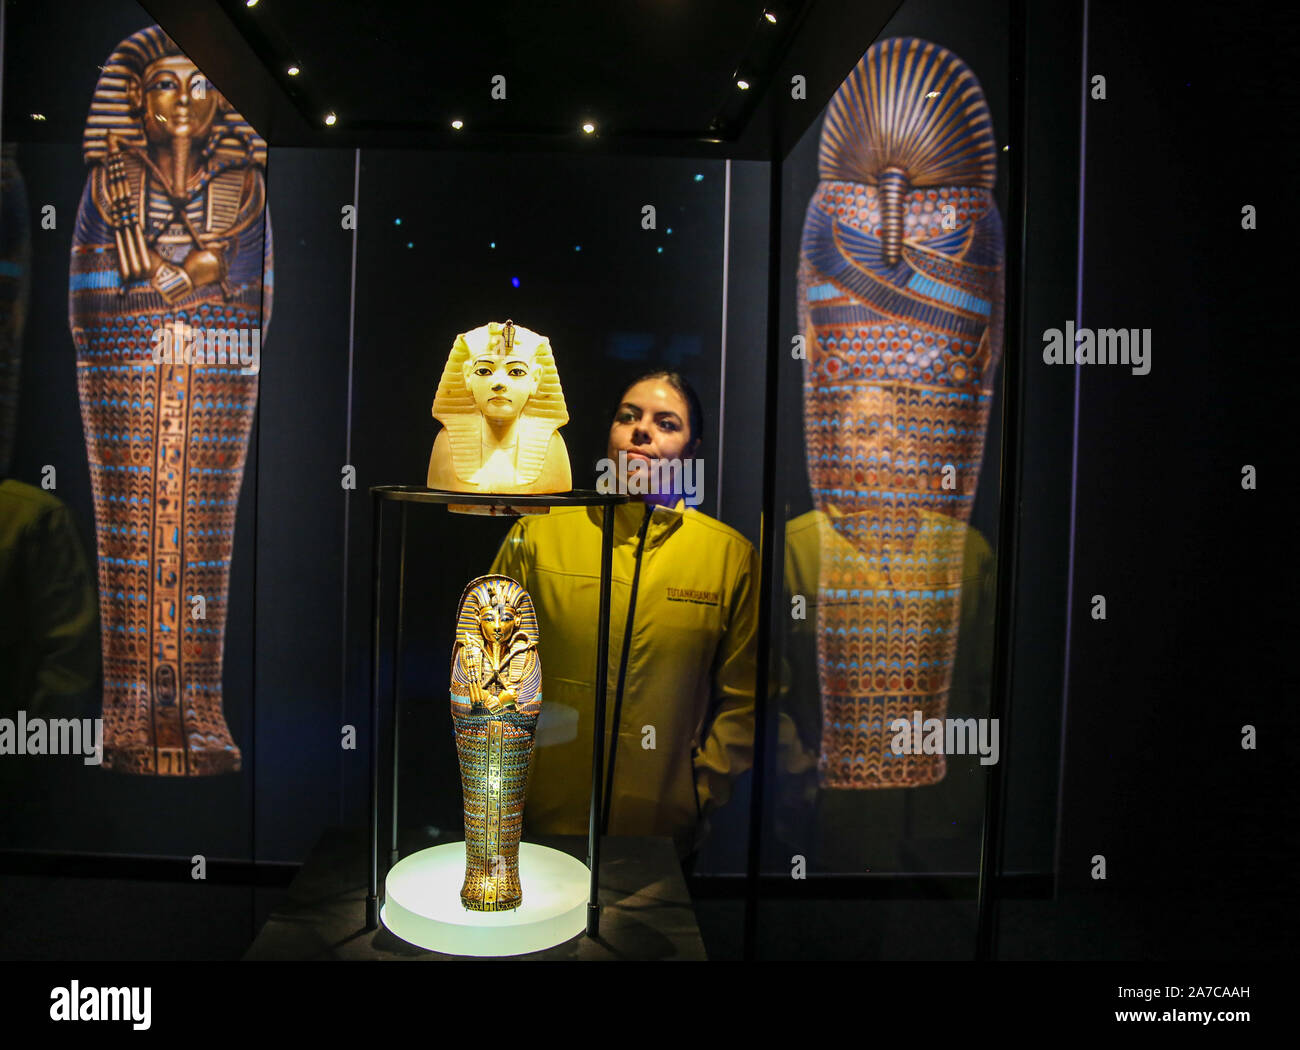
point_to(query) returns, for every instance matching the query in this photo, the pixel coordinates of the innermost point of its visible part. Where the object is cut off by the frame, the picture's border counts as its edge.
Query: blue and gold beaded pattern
(494, 747)
(166, 441)
(900, 301)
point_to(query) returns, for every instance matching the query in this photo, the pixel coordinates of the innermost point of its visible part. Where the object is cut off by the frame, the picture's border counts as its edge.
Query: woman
(683, 615)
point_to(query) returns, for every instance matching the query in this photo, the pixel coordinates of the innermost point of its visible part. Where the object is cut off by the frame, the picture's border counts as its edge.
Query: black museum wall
(1197, 572)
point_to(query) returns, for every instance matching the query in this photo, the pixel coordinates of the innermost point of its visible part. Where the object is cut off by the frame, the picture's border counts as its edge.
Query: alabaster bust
(501, 407)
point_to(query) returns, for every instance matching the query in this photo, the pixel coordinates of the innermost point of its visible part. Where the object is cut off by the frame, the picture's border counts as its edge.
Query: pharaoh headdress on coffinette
(529, 440)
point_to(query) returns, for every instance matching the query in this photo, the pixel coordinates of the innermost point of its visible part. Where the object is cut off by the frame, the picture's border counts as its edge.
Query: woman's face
(652, 422)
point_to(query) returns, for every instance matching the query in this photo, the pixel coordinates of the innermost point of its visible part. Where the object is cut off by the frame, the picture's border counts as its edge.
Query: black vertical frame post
(598, 724)
(767, 544)
(398, 646)
(1009, 490)
(376, 576)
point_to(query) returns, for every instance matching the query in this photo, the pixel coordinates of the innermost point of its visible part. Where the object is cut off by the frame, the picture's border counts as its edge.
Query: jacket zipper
(622, 668)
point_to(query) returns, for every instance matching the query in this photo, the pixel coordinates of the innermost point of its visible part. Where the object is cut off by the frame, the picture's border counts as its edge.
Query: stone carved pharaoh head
(501, 407)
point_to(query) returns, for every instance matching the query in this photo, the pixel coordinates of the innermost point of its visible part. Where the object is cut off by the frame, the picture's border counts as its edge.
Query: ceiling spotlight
(743, 85)
(38, 116)
(330, 120)
(457, 124)
(770, 17)
(933, 94)
(589, 127)
(293, 71)
(250, 3)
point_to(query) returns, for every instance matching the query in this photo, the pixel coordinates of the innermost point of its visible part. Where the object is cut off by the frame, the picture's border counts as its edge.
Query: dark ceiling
(642, 67)
(654, 76)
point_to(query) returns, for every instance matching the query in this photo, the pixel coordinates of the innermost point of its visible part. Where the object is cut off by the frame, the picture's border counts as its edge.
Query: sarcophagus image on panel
(496, 696)
(169, 299)
(900, 302)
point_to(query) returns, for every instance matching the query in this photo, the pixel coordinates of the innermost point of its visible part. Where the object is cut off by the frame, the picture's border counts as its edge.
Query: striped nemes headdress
(110, 108)
(494, 592)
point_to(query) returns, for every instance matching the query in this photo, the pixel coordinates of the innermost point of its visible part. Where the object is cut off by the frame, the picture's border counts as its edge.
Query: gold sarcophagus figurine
(496, 696)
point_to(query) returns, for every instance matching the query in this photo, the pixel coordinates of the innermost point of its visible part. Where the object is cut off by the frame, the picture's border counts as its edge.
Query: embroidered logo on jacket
(682, 594)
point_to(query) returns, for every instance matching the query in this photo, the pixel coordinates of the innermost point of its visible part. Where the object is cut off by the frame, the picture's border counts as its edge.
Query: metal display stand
(407, 494)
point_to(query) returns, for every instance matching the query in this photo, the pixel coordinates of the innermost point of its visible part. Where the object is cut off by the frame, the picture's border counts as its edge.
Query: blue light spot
(514, 281)
(699, 178)
(577, 247)
(410, 244)
(493, 244)
(397, 222)
(670, 229)
(660, 249)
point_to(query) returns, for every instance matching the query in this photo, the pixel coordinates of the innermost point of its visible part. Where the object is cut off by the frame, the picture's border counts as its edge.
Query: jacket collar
(628, 517)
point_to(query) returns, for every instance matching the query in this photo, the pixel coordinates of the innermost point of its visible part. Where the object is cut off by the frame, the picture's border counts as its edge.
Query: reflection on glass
(900, 298)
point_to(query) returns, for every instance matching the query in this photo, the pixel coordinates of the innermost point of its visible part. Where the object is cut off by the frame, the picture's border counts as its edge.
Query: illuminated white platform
(422, 903)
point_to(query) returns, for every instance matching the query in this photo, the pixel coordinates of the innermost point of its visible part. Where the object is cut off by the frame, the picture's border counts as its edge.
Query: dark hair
(678, 382)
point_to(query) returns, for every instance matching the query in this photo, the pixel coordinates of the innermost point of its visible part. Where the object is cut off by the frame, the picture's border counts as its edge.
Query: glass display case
(218, 511)
(888, 495)
(791, 261)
